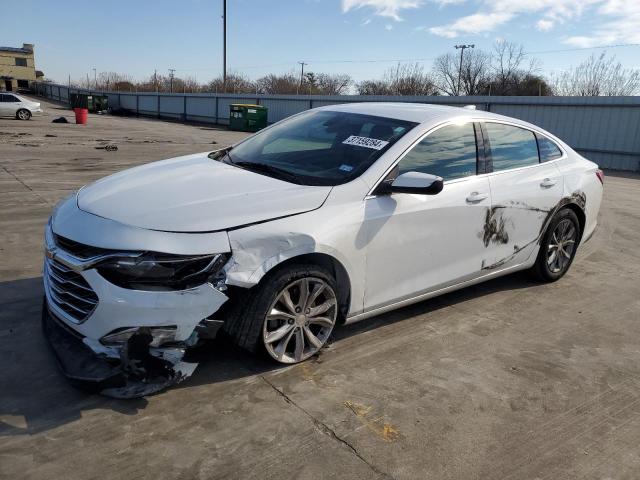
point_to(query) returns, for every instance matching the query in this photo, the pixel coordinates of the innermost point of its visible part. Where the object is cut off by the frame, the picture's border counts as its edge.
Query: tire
(23, 114)
(288, 331)
(558, 247)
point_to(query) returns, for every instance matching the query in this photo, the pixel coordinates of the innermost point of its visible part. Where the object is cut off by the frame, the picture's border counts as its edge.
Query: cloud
(472, 24)
(622, 25)
(619, 20)
(544, 25)
(388, 26)
(382, 8)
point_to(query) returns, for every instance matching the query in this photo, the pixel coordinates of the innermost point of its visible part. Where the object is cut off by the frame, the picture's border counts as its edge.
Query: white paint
(395, 248)
(195, 194)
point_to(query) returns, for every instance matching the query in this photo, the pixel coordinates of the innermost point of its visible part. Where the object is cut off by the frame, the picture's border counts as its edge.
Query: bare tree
(510, 66)
(236, 83)
(337, 84)
(473, 74)
(287, 83)
(409, 79)
(373, 87)
(597, 76)
(114, 81)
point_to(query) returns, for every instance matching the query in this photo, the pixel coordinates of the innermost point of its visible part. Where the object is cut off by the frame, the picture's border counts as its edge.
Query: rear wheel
(23, 114)
(558, 247)
(290, 316)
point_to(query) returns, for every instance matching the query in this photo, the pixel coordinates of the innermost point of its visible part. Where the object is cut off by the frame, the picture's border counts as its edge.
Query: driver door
(418, 243)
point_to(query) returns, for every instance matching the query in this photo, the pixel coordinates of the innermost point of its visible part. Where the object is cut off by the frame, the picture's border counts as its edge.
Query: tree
(597, 76)
(287, 83)
(236, 83)
(373, 87)
(473, 74)
(402, 79)
(325, 84)
(510, 67)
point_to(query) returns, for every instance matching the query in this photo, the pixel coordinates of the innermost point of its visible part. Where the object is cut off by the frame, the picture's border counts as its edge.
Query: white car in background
(13, 105)
(330, 216)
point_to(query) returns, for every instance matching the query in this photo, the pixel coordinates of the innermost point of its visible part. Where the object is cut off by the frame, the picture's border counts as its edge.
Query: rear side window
(449, 152)
(548, 149)
(9, 98)
(510, 147)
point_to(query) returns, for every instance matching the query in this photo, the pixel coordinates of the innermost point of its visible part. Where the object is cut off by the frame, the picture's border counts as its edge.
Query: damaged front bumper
(134, 369)
(132, 343)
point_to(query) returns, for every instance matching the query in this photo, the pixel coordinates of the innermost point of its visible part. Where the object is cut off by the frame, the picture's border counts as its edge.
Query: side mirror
(417, 183)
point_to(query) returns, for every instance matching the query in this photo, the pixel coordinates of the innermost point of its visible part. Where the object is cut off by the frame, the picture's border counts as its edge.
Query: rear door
(524, 191)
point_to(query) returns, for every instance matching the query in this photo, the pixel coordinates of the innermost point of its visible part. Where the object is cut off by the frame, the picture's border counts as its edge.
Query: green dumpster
(93, 103)
(246, 117)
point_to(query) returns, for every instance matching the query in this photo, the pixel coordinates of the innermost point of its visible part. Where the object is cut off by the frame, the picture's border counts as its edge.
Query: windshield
(319, 147)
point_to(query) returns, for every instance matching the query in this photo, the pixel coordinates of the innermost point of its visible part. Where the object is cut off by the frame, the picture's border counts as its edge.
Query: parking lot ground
(505, 380)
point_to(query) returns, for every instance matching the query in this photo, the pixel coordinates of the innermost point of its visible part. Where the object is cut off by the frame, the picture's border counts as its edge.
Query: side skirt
(435, 292)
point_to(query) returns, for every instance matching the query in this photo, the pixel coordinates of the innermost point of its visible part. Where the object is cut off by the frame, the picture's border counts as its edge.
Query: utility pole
(224, 45)
(88, 84)
(302, 64)
(461, 47)
(171, 70)
(155, 80)
(95, 78)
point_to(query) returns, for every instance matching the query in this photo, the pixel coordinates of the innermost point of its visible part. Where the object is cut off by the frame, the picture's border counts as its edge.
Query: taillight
(600, 175)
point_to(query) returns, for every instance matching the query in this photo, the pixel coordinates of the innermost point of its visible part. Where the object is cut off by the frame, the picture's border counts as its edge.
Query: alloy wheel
(24, 115)
(561, 246)
(300, 320)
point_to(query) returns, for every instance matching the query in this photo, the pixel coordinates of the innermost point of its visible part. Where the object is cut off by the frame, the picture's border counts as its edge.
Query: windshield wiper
(269, 170)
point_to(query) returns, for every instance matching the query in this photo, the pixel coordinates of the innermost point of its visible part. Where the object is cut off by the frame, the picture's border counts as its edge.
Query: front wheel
(23, 114)
(558, 247)
(290, 316)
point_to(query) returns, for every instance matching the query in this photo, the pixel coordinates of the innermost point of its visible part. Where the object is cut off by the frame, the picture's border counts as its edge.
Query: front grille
(69, 292)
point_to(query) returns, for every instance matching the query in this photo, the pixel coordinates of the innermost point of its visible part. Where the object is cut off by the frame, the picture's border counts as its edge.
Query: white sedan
(17, 106)
(330, 216)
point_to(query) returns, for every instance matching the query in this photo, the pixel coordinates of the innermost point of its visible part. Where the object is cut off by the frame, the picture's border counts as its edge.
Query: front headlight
(158, 271)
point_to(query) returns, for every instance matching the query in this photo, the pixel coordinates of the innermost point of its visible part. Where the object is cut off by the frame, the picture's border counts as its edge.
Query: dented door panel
(521, 200)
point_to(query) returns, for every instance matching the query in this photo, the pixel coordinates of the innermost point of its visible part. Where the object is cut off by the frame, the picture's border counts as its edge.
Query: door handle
(475, 197)
(548, 182)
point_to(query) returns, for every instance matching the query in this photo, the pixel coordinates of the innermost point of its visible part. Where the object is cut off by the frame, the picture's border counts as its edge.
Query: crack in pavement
(24, 184)
(325, 429)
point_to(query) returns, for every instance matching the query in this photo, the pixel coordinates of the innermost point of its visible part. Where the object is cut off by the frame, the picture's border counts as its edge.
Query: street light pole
(461, 47)
(171, 70)
(224, 45)
(302, 64)
(95, 78)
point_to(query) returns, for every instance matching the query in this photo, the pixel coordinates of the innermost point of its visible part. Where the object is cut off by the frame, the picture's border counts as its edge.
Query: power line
(395, 60)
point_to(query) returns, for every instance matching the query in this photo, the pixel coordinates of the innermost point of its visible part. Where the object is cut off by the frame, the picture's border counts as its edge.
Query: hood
(195, 194)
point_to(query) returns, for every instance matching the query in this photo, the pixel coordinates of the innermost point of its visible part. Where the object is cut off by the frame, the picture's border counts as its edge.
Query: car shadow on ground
(36, 397)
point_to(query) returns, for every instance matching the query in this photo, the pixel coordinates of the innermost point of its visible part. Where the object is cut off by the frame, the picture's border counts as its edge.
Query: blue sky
(334, 36)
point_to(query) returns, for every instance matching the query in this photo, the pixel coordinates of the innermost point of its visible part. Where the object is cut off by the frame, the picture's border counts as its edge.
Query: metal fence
(603, 129)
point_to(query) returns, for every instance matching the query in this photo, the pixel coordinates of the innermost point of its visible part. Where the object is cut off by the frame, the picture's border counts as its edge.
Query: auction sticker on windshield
(366, 142)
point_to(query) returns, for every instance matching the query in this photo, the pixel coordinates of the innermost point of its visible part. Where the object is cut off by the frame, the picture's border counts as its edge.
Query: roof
(414, 112)
(26, 51)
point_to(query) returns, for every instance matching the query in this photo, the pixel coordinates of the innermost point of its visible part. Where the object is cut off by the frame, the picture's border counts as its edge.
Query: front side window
(449, 152)
(319, 147)
(21, 62)
(510, 147)
(548, 149)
